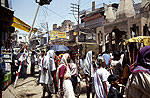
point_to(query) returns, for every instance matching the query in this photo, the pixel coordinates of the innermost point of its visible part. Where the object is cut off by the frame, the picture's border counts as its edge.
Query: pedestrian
(54, 85)
(126, 72)
(116, 65)
(113, 91)
(107, 58)
(89, 65)
(40, 64)
(33, 63)
(64, 75)
(23, 58)
(59, 59)
(46, 79)
(138, 85)
(100, 79)
(73, 70)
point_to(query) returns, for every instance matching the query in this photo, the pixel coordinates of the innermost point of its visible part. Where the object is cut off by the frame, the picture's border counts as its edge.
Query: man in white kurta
(48, 66)
(40, 64)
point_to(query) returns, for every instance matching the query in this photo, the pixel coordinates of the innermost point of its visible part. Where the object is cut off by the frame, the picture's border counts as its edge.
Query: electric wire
(54, 12)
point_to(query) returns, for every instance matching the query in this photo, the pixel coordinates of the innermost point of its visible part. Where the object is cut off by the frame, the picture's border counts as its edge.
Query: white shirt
(117, 68)
(40, 62)
(73, 69)
(101, 76)
(46, 76)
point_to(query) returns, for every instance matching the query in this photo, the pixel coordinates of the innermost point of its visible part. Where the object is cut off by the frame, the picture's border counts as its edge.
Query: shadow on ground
(25, 83)
(23, 95)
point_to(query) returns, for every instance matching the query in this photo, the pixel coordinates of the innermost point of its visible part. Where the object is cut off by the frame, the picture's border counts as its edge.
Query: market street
(75, 48)
(28, 88)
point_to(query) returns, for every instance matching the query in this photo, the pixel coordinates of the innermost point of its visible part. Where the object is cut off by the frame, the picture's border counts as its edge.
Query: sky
(55, 13)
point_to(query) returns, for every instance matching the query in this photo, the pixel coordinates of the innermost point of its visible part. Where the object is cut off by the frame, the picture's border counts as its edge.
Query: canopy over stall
(139, 39)
(134, 46)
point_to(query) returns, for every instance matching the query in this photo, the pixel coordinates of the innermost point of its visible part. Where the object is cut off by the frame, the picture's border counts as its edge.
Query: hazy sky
(56, 12)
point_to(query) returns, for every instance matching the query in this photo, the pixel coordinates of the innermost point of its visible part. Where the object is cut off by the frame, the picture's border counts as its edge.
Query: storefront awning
(17, 23)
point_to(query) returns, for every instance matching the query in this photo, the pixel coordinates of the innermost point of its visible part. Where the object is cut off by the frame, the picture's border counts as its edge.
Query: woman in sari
(64, 75)
(138, 85)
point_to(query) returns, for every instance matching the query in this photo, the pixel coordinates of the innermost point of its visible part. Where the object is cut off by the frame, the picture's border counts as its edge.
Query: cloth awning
(17, 23)
(139, 39)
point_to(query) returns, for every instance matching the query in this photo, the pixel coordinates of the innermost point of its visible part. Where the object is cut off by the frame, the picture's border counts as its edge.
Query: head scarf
(88, 59)
(51, 54)
(88, 66)
(142, 61)
(143, 57)
(64, 59)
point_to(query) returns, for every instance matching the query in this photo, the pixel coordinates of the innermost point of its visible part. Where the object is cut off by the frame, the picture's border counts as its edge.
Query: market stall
(134, 44)
(5, 66)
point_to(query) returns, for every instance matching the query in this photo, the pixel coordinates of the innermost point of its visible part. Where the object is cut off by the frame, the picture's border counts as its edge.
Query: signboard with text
(57, 34)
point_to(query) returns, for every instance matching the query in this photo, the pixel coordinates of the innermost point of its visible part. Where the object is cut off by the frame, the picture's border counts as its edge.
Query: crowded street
(29, 88)
(75, 49)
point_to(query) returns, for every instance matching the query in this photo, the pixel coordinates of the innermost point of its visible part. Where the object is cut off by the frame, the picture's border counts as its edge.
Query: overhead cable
(54, 12)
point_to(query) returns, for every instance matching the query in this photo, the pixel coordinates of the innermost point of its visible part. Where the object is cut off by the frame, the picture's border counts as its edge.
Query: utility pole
(47, 32)
(76, 11)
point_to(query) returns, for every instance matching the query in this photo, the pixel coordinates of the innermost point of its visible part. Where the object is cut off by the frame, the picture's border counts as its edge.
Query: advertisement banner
(57, 34)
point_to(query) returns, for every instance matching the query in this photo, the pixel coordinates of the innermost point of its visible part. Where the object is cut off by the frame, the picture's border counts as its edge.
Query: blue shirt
(107, 58)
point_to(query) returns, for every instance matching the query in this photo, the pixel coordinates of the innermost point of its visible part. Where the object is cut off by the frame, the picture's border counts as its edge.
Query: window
(134, 31)
(107, 38)
(100, 36)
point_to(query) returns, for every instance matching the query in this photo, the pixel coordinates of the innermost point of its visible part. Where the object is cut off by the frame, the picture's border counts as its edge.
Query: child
(113, 92)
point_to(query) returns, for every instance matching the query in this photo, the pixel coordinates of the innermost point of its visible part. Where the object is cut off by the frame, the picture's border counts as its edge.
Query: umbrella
(59, 48)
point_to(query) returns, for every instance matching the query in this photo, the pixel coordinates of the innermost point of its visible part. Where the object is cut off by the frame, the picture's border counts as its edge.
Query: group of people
(107, 75)
(110, 75)
(58, 74)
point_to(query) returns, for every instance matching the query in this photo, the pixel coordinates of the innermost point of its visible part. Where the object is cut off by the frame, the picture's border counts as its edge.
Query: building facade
(130, 22)
(6, 20)
(18, 39)
(110, 25)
